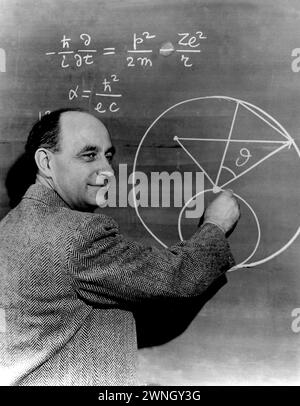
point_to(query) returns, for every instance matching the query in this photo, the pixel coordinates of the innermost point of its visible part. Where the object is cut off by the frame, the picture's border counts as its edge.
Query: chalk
(216, 189)
(166, 49)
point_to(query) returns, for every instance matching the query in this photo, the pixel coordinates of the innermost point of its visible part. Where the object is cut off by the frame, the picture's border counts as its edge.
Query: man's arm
(106, 268)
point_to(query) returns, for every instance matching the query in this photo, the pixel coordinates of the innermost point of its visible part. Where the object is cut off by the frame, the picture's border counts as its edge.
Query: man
(70, 280)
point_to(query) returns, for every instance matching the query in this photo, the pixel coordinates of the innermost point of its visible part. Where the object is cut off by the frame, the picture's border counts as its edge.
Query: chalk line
(288, 143)
(229, 170)
(266, 121)
(196, 162)
(232, 140)
(227, 143)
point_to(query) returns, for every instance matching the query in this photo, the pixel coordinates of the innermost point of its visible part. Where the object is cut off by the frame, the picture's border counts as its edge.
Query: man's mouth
(103, 185)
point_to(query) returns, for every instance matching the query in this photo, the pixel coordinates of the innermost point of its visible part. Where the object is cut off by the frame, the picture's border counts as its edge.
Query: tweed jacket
(69, 282)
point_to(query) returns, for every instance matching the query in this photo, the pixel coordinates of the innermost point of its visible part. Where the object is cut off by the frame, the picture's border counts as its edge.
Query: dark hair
(44, 134)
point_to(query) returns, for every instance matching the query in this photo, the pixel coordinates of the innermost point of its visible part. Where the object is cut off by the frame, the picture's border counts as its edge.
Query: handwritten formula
(139, 55)
(108, 99)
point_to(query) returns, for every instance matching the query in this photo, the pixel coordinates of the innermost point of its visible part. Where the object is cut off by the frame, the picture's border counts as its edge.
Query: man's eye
(109, 157)
(90, 157)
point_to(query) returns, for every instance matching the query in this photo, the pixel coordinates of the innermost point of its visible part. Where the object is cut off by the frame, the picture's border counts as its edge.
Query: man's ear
(42, 158)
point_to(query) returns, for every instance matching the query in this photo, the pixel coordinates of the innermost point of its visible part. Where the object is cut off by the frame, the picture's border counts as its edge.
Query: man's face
(85, 151)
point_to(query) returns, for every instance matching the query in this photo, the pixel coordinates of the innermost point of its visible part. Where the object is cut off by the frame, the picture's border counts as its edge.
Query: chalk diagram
(236, 145)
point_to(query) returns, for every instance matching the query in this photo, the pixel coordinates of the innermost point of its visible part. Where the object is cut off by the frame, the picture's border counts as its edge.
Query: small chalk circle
(216, 189)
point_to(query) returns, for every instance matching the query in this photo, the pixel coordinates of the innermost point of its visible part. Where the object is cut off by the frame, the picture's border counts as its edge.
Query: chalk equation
(106, 99)
(139, 55)
(43, 113)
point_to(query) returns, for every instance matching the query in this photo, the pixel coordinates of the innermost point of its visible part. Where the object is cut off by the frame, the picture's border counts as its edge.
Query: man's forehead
(80, 129)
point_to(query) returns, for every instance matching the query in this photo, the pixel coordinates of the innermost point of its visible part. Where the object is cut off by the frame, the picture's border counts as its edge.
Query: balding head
(82, 150)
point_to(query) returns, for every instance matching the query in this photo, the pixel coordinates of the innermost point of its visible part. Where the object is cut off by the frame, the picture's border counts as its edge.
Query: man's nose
(103, 177)
(108, 170)
(106, 167)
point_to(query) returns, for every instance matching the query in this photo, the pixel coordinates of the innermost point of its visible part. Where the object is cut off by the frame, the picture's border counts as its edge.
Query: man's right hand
(223, 211)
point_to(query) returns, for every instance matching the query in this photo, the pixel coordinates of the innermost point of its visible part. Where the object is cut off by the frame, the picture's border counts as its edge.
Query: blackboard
(162, 74)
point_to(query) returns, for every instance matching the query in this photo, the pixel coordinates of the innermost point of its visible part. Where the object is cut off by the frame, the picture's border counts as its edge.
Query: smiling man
(70, 280)
(80, 164)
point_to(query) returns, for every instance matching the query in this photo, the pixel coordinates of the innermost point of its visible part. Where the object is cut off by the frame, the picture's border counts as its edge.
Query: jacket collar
(45, 195)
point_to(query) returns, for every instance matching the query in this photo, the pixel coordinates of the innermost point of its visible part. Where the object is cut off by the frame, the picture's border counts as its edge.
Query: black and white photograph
(150, 196)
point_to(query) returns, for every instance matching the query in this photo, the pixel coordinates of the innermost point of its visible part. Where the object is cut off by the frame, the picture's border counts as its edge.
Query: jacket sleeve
(107, 268)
